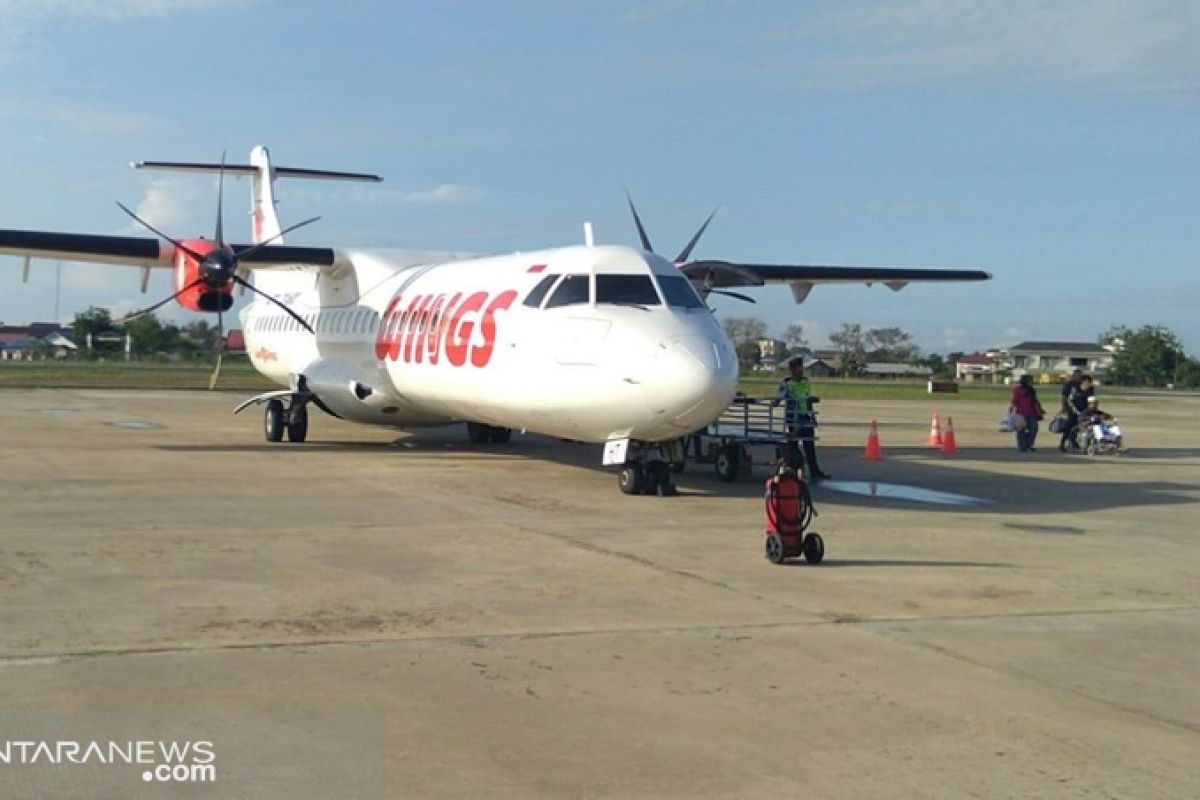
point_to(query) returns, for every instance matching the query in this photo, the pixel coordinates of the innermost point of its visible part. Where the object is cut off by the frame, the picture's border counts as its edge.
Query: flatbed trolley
(747, 422)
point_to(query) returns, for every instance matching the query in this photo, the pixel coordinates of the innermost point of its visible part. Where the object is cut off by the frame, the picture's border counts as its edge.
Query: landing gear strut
(645, 475)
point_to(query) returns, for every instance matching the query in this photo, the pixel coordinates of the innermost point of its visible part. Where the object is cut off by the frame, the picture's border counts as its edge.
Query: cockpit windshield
(574, 290)
(538, 293)
(626, 290)
(679, 292)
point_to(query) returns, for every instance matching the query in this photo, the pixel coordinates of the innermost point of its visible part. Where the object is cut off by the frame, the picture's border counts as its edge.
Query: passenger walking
(796, 392)
(1026, 405)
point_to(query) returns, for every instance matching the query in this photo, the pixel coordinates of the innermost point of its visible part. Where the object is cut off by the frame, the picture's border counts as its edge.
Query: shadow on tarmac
(1082, 489)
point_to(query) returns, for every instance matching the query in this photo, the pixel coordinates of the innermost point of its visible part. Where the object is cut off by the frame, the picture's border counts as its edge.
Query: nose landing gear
(644, 475)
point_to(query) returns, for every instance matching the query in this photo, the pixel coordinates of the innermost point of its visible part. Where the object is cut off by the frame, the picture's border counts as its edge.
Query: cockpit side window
(574, 290)
(679, 292)
(626, 290)
(534, 298)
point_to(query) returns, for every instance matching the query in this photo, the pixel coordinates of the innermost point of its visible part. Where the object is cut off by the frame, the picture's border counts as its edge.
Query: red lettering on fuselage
(432, 326)
(482, 354)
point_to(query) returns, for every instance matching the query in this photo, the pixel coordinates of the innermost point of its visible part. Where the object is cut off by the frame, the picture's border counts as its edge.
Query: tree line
(856, 346)
(148, 335)
(1150, 356)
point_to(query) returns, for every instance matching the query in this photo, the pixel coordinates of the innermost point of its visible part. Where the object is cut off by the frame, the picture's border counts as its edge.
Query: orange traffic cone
(935, 432)
(949, 446)
(874, 453)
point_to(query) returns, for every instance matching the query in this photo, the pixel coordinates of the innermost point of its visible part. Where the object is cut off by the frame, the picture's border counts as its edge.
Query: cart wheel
(774, 548)
(1091, 448)
(814, 548)
(727, 463)
(631, 479)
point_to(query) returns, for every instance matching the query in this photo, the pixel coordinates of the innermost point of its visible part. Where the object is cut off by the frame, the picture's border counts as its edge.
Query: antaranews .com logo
(161, 761)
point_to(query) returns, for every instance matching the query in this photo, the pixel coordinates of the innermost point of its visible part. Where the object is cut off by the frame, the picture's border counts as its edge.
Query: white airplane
(601, 344)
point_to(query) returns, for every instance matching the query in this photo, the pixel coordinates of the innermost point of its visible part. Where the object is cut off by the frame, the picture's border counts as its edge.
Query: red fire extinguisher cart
(789, 512)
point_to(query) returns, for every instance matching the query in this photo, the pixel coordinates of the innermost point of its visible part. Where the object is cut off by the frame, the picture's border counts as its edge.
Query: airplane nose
(693, 380)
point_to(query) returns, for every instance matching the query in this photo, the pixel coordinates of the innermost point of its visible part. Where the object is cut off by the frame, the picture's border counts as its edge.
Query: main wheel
(500, 435)
(814, 548)
(297, 426)
(774, 548)
(478, 433)
(727, 463)
(631, 479)
(658, 479)
(273, 421)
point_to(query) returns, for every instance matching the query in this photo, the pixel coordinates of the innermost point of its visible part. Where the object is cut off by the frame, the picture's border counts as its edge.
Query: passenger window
(626, 290)
(534, 300)
(574, 290)
(679, 292)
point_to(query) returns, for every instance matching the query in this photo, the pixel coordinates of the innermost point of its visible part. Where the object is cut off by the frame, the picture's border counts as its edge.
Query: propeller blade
(649, 248)
(216, 373)
(162, 235)
(220, 235)
(687, 251)
(243, 282)
(220, 346)
(158, 305)
(249, 252)
(734, 295)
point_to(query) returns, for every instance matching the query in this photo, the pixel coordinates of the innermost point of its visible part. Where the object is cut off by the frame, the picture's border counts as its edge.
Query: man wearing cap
(1068, 409)
(796, 393)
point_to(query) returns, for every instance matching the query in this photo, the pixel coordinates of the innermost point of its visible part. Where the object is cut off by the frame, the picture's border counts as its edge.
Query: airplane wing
(801, 278)
(143, 251)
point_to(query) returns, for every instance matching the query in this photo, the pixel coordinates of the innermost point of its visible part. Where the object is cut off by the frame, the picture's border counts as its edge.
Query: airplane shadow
(1087, 485)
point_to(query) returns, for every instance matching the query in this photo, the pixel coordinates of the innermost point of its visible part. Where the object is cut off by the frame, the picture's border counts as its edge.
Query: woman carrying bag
(1025, 404)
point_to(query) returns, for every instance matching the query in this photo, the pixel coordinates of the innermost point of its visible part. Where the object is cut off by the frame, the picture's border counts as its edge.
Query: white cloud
(443, 194)
(1148, 45)
(180, 208)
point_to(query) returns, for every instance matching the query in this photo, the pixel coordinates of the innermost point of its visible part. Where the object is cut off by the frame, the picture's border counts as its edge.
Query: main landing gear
(291, 419)
(478, 433)
(645, 475)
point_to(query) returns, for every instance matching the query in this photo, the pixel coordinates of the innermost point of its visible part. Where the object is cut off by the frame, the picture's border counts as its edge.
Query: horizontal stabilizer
(247, 169)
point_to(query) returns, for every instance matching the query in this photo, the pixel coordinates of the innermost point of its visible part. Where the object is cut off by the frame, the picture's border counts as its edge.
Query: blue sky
(1055, 144)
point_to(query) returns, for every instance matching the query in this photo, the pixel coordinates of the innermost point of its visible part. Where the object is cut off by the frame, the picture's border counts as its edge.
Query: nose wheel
(645, 475)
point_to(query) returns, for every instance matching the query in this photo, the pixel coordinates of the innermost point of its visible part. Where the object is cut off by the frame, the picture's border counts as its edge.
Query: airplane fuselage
(585, 343)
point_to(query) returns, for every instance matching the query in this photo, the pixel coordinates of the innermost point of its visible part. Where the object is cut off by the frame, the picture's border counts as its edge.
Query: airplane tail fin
(264, 221)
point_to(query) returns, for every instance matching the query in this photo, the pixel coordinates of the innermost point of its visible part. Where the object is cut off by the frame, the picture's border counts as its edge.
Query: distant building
(235, 341)
(884, 370)
(21, 341)
(819, 368)
(770, 352)
(1054, 361)
(978, 367)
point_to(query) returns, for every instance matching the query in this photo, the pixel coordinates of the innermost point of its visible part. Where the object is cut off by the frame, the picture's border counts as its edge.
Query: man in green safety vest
(796, 393)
